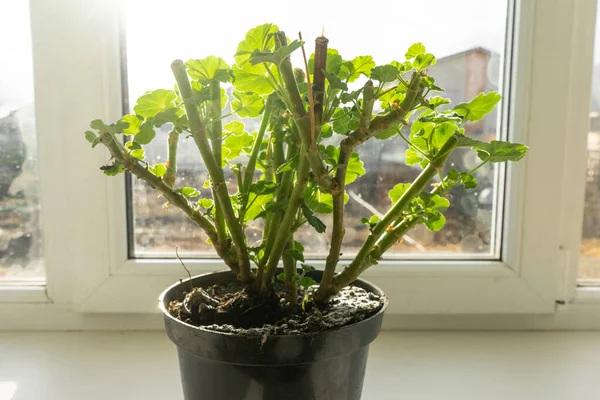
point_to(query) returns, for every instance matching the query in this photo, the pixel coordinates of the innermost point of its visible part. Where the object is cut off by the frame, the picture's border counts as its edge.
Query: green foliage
(384, 73)
(257, 39)
(247, 104)
(479, 107)
(209, 69)
(154, 102)
(252, 78)
(289, 194)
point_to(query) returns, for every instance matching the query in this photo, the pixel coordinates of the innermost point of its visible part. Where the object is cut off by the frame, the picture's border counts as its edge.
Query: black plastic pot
(328, 365)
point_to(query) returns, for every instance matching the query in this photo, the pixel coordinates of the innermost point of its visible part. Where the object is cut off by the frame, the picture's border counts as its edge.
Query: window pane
(20, 233)
(470, 51)
(589, 266)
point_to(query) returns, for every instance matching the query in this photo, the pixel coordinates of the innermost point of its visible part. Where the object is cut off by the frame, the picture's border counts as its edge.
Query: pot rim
(161, 301)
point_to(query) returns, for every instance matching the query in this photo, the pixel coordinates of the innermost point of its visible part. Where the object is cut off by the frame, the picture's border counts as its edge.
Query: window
(470, 60)
(508, 258)
(20, 230)
(589, 264)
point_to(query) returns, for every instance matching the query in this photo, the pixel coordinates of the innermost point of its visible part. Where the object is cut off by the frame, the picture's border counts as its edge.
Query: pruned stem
(320, 64)
(288, 221)
(171, 164)
(174, 198)
(216, 140)
(290, 273)
(302, 119)
(215, 171)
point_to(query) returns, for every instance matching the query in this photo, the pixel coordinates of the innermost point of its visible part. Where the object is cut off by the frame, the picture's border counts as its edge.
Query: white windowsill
(411, 365)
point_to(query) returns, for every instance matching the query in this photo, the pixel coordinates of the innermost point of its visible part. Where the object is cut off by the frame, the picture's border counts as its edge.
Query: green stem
(216, 140)
(215, 171)
(337, 233)
(393, 117)
(287, 222)
(364, 258)
(296, 106)
(290, 273)
(251, 166)
(171, 172)
(283, 192)
(173, 197)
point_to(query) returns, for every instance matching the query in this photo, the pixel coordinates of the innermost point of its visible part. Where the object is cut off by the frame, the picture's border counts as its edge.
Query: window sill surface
(411, 365)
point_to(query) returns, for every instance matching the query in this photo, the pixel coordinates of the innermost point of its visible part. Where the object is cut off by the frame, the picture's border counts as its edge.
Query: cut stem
(216, 140)
(287, 223)
(215, 171)
(301, 118)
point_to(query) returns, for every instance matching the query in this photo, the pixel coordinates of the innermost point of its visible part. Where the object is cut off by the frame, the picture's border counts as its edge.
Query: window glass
(468, 38)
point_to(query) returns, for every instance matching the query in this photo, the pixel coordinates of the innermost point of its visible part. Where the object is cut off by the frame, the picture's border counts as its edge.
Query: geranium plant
(285, 174)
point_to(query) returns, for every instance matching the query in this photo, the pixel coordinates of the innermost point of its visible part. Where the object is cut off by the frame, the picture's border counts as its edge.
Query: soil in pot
(238, 308)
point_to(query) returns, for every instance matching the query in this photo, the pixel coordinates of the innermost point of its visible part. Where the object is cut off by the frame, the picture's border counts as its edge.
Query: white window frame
(77, 73)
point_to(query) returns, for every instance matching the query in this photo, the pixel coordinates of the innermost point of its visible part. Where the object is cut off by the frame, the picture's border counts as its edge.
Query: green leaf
(146, 133)
(205, 203)
(114, 169)
(371, 222)
(209, 69)
(258, 206)
(440, 118)
(361, 65)
(134, 122)
(90, 136)
(172, 115)
(424, 61)
(154, 102)
(415, 50)
(252, 78)
(118, 127)
(345, 119)
(437, 101)
(436, 222)
(288, 165)
(189, 192)
(247, 105)
(355, 168)
(499, 151)
(281, 277)
(385, 73)
(442, 133)
(387, 133)
(276, 57)
(263, 187)
(312, 220)
(158, 170)
(334, 81)
(235, 127)
(421, 129)
(299, 246)
(235, 144)
(138, 153)
(412, 157)
(306, 282)
(295, 254)
(477, 108)
(468, 180)
(259, 39)
(397, 191)
(350, 97)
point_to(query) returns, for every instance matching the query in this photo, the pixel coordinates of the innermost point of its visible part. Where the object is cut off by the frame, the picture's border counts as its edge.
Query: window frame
(78, 78)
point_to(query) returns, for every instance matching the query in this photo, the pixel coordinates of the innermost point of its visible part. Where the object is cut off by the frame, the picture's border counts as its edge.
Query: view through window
(20, 232)
(468, 38)
(589, 265)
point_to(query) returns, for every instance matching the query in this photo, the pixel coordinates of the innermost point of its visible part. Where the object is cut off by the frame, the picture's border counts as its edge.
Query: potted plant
(258, 331)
